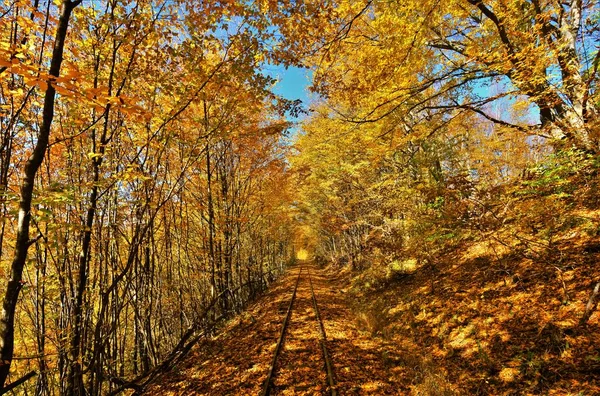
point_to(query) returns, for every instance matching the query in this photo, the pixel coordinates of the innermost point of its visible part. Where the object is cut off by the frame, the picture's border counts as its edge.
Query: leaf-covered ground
(492, 315)
(237, 361)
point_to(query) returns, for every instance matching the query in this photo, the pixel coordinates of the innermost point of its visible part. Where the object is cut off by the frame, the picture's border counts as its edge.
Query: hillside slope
(499, 311)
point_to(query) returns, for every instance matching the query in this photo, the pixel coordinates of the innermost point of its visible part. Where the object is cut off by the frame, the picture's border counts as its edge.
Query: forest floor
(491, 316)
(472, 326)
(237, 361)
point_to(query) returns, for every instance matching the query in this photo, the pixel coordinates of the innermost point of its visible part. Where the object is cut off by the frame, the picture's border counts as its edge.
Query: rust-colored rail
(323, 342)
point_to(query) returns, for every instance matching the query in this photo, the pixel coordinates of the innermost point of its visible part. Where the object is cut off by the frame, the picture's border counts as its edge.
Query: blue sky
(292, 82)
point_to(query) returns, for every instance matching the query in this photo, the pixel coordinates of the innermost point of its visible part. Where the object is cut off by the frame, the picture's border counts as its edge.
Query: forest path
(237, 361)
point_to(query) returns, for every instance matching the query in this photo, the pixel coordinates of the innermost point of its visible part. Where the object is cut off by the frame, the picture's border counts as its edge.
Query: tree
(413, 61)
(23, 242)
(158, 106)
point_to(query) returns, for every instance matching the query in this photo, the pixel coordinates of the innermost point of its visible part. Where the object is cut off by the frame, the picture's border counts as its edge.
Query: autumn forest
(426, 223)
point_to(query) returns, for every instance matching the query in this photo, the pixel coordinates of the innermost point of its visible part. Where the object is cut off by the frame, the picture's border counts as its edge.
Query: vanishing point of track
(322, 340)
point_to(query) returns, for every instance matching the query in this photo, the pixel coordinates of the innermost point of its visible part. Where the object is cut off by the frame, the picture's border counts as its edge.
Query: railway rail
(322, 339)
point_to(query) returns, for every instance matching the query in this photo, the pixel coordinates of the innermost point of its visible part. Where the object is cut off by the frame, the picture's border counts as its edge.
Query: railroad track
(322, 339)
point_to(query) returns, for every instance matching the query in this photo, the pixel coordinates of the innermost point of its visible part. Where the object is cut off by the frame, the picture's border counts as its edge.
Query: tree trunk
(11, 296)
